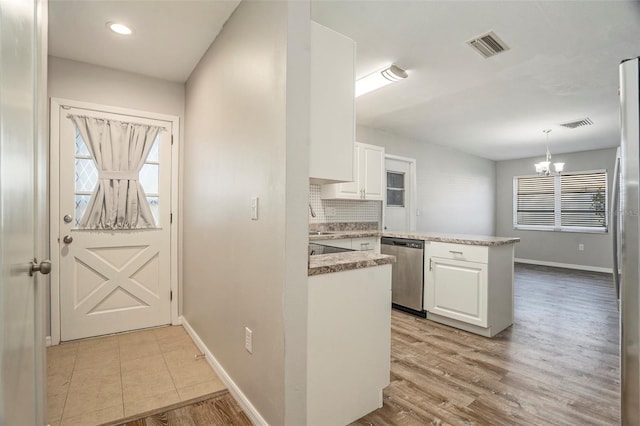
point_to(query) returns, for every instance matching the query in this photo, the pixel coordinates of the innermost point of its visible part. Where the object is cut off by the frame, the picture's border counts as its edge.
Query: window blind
(536, 201)
(583, 200)
(568, 202)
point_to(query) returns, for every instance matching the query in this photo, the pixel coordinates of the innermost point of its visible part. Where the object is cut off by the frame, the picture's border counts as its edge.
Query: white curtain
(119, 151)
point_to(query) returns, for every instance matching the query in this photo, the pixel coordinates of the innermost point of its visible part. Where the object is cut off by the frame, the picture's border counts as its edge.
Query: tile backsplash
(333, 211)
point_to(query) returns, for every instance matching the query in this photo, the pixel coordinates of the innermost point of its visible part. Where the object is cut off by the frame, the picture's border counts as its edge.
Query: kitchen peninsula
(468, 279)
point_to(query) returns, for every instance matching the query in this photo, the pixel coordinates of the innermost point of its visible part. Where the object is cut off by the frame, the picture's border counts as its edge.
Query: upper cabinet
(369, 182)
(332, 121)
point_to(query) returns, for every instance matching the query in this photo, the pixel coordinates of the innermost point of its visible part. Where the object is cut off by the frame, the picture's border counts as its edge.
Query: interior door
(112, 280)
(398, 202)
(20, 379)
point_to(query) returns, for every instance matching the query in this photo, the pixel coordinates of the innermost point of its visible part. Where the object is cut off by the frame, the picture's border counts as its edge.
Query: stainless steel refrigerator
(625, 231)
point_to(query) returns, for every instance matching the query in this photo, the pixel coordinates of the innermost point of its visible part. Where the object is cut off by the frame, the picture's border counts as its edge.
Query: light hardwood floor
(98, 380)
(557, 365)
(220, 410)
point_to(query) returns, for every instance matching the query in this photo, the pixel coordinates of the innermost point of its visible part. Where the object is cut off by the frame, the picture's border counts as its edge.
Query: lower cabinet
(470, 287)
(348, 344)
(360, 243)
(459, 290)
(366, 244)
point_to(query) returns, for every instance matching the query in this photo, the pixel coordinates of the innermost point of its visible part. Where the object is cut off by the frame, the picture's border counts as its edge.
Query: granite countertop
(472, 240)
(337, 235)
(327, 263)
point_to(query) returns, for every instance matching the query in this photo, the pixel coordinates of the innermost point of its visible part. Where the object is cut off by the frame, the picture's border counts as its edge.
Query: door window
(395, 189)
(86, 179)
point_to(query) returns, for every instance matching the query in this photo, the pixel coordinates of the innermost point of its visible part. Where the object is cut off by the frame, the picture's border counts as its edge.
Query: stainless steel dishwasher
(407, 282)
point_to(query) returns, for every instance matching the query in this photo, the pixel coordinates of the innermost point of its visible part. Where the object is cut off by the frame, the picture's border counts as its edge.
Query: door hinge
(170, 295)
(171, 139)
(170, 217)
(429, 263)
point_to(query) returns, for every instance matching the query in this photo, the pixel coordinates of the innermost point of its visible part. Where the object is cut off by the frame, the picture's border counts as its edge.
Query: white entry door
(398, 212)
(112, 280)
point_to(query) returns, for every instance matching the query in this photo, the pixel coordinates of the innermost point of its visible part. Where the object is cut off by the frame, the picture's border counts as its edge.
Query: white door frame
(413, 193)
(58, 104)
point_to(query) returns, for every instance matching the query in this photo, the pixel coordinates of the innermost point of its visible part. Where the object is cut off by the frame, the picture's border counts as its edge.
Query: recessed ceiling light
(119, 28)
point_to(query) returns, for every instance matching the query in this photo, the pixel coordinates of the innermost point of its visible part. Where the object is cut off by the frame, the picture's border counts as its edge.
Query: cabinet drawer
(459, 252)
(365, 244)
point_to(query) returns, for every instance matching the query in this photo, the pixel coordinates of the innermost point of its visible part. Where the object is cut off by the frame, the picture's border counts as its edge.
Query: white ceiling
(169, 38)
(562, 66)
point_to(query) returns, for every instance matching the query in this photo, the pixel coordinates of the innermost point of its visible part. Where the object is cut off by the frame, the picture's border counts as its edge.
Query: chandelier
(544, 167)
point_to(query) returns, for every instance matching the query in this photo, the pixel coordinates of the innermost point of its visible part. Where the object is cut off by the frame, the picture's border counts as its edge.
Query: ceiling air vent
(578, 123)
(488, 44)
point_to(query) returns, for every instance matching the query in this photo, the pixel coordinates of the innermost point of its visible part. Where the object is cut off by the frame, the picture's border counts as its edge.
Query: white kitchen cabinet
(371, 244)
(360, 243)
(332, 121)
(348, 344)
(470, 287)
(459, 290)
(369, 176)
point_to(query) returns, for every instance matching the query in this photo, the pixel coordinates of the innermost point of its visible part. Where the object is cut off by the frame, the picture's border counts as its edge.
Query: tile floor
(108, 378)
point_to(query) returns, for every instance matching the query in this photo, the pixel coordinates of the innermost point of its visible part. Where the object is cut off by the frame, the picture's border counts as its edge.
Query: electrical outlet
(330, 211)
(580, 247)
(418, 212)
(248, 340)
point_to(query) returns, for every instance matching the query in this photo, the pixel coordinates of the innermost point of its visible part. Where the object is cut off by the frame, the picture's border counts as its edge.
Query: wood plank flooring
(217, 411)
(557, 365)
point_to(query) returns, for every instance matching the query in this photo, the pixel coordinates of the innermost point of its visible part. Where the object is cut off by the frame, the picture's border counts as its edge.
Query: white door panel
(458, 290)
(398, 215)
(20, 342)
(112, 280)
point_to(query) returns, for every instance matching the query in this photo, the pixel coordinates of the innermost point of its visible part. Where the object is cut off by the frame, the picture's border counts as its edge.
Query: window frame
(558, 227)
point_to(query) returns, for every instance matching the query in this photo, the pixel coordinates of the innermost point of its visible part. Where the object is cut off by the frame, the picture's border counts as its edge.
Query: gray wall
(554, 246)
(246, 135)
(92, 83)
(455, 190)
(79, 81)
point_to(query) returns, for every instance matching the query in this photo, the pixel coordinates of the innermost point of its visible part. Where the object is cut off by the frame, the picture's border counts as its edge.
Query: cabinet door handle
(456, 252)
(429, 263)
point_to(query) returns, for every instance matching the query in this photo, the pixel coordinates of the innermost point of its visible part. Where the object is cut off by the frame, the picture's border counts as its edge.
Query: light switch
(254, 208)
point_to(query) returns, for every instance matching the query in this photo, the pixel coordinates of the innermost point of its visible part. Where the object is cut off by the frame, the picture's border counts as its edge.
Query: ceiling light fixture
(544, 167)
(119, 28)
(379, 79)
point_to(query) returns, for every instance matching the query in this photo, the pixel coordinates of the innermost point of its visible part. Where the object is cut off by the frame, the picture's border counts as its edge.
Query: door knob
(43, 267)
(68, 239)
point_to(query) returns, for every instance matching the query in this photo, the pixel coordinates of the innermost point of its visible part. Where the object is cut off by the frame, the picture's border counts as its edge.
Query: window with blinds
(568, 202)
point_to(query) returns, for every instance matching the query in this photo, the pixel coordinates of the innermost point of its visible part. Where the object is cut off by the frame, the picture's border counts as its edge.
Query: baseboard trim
(243, 401)
(565, 265)
(47, 341)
